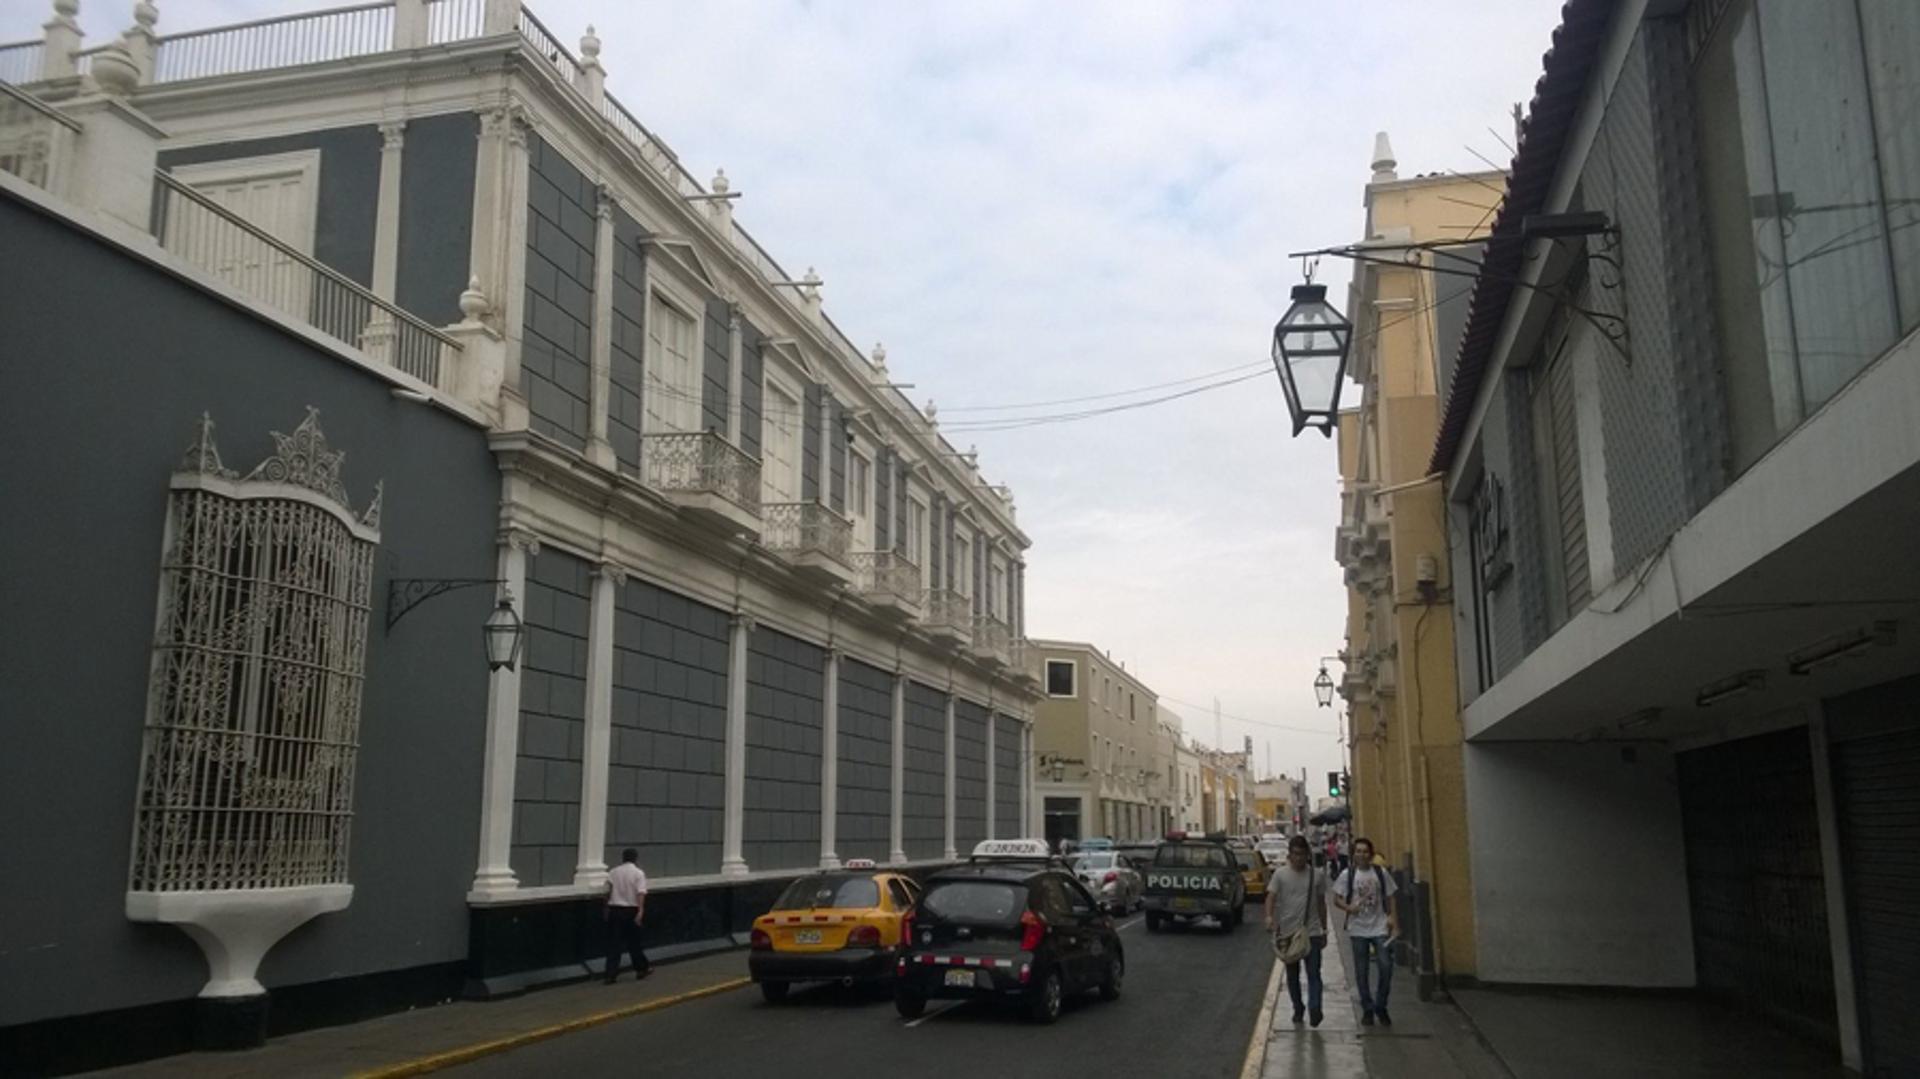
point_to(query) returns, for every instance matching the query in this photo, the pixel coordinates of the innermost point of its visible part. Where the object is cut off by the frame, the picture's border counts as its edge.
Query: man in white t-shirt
(1296, 898)
(626, 909)
(1365, 892)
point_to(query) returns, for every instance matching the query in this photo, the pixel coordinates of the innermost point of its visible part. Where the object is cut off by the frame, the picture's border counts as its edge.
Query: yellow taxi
(841, 925)
(1253, 868)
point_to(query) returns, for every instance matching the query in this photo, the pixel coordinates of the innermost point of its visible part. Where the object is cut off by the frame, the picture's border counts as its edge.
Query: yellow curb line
(1262, 1027)
(467, 1054)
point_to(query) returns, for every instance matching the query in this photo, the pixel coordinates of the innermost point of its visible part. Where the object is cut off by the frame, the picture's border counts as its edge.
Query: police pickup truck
(1191, 878)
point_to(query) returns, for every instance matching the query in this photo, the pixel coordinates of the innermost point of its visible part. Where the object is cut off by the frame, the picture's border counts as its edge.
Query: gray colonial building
(333, 334)
(1682, 451)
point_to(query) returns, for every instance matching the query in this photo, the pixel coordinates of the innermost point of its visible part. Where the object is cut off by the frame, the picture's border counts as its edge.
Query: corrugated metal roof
(1556, 96)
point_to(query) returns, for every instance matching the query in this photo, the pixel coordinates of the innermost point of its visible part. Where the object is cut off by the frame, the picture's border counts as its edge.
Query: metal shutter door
(1877, 791)
(1754, 880)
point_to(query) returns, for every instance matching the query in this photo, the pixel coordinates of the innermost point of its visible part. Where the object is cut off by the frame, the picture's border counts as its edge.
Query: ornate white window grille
(253, 717)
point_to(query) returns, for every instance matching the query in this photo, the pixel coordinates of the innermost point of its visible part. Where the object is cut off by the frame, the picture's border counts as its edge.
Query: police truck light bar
(859, 863)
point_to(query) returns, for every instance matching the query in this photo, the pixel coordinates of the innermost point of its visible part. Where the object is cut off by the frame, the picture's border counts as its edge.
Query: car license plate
(806, 936)
(1182, 903)
(960, 978)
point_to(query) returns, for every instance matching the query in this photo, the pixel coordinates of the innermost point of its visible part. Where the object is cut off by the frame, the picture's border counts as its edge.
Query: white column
(495, 872)
(993, 776)
(830, 764)
(500, 16)
(60, 41)
(732, 863)
(591, 868)
(897, 854)
(500, 236)
(599, 381)
(952, 787)
(409, 24)
(1026, 781)
(386, 213)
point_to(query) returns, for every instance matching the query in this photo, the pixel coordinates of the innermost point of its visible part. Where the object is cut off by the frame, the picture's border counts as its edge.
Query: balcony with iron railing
(33, 135)
(818, 541)
(706, 475)
(949, 615)
(889, 580)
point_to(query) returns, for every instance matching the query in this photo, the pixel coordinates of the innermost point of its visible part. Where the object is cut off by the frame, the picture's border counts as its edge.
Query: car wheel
(775, 992)
(1044, 1005)
(909, 1005)
(1110, 985)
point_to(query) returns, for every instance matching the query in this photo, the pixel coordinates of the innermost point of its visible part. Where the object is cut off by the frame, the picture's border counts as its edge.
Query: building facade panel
(864, 810)
(556, 350)
(553, 701)
(924, 803)
(436, 216)
(666, 789)
(627, 342)
(716, 369)
(75, 310)
(785, 690)
(970, 775)
(1006, 777)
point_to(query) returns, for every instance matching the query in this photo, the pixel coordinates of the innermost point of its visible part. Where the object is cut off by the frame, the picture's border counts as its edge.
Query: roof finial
(1383, 162)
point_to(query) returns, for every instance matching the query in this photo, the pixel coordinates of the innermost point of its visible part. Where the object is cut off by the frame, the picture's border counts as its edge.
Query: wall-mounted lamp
(502, 629)
(1714, 692)
(1839, 647)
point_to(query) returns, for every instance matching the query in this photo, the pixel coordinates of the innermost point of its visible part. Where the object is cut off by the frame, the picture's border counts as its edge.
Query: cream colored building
(1096, 736)
(1408, 792)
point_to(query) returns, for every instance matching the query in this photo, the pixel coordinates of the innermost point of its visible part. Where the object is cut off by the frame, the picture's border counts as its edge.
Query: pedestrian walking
(1365, 892)
(626, 910)
(1297, 917)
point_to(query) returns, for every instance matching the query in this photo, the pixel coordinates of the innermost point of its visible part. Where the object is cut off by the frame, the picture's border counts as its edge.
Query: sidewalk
(1428, 1040)
(381, 1046)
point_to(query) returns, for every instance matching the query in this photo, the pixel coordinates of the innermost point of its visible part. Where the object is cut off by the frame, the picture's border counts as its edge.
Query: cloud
(1032, 200)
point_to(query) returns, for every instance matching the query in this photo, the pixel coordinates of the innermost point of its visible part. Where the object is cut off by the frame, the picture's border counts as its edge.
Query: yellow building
(1096, 736)
(1408, 791)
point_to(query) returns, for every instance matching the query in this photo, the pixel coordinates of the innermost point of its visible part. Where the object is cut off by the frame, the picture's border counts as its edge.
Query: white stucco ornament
(114, 70)
(473, 302)
(145, 15)
(590, 47)
(719, 185)
(879, 361)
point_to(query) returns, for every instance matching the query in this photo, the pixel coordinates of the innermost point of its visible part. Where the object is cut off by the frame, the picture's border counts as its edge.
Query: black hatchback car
(1012, 925)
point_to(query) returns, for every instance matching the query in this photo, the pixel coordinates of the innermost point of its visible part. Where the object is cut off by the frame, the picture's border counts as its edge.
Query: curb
(1256, 1061)
(466, 1054)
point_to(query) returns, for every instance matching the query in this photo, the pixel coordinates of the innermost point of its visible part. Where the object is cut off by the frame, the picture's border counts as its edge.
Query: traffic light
(1334, 786)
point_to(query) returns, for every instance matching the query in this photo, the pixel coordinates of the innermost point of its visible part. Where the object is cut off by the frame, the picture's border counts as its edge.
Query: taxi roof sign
(1012, 849)
(857, 863)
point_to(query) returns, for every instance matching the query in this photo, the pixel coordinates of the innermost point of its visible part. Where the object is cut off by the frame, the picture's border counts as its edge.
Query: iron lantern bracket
(406, 593)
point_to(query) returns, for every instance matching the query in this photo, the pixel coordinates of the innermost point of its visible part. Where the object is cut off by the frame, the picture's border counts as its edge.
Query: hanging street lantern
(1323, 688)
(1310, 354)
(503, 631)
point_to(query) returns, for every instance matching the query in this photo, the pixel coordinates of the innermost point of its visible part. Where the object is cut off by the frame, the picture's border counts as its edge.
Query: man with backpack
(1365, 892)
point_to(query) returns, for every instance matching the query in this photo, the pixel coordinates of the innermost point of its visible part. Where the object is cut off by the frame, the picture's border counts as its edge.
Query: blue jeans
(1372, 953)
(1312, 963)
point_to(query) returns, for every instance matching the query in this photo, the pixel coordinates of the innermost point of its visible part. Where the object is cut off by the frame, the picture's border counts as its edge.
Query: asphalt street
(1187, 1009)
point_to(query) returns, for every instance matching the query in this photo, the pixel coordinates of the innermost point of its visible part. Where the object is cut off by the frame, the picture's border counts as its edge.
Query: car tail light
(863, 936)
(1110, 877)
(760, 941)
(906, 928)
(1032, 929)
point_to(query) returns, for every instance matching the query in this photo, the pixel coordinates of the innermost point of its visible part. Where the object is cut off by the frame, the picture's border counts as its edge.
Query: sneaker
(1385, 1019)
(1366, 1019)
(1317, 1016)
(1299, 1013)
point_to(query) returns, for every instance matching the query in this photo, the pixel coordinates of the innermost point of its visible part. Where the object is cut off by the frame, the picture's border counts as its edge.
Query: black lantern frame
(1312, 332)
(504, 633)
(1323, 688)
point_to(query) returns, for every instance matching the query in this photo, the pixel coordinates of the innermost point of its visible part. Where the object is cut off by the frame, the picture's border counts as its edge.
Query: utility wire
(1254, 722)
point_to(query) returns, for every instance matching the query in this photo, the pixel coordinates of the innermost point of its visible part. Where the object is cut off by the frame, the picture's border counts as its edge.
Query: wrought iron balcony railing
(887, 575)
(807, 528)
(277, 275)
(701, 462)
(950, 612)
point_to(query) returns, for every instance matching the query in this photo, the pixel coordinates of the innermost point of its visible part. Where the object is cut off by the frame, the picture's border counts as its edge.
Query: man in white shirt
(1365, 892)
(1297, 898)
(626, 909)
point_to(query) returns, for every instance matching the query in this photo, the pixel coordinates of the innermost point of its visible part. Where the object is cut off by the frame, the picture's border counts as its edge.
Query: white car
(1273, 849)
(1112, 878)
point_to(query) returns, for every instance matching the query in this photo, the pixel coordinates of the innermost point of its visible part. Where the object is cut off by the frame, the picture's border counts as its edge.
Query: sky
(1038, 200)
